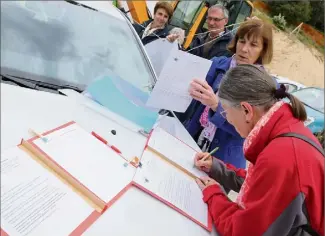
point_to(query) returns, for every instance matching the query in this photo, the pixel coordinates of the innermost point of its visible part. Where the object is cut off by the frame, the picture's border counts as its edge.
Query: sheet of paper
(175, 150)
(34, 201)
(171, 89)
(174, 127)
(89, 160)
(158, 52)
(173, 186)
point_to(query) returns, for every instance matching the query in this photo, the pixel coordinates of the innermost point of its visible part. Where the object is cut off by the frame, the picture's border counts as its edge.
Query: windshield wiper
(37, 85)
(80, 4)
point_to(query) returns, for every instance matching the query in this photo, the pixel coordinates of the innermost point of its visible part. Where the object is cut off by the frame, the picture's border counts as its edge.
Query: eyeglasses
(224, 112)
(209, 18)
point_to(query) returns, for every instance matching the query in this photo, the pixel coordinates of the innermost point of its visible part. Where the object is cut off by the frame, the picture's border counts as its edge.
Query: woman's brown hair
(166, 6)
(255, 28)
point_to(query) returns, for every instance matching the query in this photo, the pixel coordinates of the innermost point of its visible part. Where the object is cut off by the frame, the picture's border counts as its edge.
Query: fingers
(200, 155)
(199, 96)
(201, 83)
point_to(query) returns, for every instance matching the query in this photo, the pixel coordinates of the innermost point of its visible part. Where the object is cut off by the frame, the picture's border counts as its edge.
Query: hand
(205, 182)
(253, 18)
(172, 37)
(203, 161)
(202, 92)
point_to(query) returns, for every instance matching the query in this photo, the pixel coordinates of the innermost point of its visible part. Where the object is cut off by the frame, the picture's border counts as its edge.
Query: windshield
(312, 97)
(61, 43)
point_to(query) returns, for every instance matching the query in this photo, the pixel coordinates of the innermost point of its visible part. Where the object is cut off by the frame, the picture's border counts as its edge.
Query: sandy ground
(294, 60)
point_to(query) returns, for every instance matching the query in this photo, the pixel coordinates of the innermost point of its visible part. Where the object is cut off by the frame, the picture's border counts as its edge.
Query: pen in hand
(205, 158)
(210, 154)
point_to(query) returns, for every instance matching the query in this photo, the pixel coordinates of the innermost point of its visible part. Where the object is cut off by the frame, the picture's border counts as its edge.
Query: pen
(44, 139)
(210, 154)
(105, 142)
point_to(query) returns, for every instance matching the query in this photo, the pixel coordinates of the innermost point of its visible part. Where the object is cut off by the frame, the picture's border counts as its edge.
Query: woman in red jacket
(282, 192)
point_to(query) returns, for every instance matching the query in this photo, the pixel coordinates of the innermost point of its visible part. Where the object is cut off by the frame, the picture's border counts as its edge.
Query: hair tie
(280, 93)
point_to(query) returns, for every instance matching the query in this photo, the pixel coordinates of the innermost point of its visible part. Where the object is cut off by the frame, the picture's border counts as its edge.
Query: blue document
(124, 99)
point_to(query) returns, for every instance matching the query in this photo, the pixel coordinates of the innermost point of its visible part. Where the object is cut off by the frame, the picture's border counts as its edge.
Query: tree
(317, 15)
(293, 11)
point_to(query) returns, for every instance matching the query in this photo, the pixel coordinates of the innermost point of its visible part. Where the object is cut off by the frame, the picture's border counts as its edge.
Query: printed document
(175, 150)
(172, 185)
(171, 91)
(88, 160)
(158, 52)
(34, 201)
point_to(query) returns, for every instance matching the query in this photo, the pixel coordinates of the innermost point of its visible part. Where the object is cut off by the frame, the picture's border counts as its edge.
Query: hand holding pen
(203, 160)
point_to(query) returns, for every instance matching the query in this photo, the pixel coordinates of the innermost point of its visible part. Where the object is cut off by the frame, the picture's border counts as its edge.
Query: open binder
(75, 160)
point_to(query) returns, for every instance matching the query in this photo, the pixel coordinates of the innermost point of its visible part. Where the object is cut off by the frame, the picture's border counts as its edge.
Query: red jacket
(286, 188)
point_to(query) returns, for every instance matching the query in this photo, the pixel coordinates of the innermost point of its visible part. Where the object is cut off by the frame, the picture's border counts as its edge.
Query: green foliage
(294, 11)
(317, 15)
(279, 21)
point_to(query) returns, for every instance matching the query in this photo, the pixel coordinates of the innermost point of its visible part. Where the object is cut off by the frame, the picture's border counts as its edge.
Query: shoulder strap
(304, 138)
(307, 228)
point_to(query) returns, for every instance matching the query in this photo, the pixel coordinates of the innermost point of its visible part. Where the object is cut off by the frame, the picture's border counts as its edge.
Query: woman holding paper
(252, 44)
(282, 192)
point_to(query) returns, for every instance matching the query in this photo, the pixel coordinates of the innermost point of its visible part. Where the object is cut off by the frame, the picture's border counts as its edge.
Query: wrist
(214, 107)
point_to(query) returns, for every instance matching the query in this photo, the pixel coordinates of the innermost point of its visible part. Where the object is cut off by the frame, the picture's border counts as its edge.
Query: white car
(50, 52)
(289, 84)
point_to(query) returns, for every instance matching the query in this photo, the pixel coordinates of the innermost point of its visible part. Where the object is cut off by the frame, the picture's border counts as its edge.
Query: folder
(173, 187)
(124, 99)
(73, 161)
(174, 151)
(67, 160)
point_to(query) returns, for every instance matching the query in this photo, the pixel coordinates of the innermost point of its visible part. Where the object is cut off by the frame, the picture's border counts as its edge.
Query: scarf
(148, 30)
(253, 135)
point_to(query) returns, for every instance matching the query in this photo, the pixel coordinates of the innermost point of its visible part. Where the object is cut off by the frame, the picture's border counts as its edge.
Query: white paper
(158, 51)
(34, 201)
(174, 127)
(87, 159)
(175, 150)
(171, 91)
(172, 185)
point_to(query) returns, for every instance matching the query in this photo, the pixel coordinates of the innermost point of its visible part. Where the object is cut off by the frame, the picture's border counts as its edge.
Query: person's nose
(245, 47)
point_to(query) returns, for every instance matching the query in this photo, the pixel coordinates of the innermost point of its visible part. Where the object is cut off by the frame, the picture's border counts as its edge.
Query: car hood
(23, 109)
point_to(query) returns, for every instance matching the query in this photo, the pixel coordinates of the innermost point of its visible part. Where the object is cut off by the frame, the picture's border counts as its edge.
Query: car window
(67, 44)
(290, 87)
(312, 97)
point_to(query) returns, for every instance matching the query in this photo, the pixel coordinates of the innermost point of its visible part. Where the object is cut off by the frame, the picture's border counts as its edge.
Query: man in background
(215, 42)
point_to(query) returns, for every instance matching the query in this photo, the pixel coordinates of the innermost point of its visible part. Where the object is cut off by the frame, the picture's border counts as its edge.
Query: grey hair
(252, 84)
(247, 83)
(222, 8)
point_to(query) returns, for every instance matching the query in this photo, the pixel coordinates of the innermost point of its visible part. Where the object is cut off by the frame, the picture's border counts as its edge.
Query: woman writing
(252, 44)
(283, 189)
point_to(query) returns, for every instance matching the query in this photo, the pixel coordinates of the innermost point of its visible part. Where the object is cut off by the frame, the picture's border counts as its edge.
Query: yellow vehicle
(191, 15)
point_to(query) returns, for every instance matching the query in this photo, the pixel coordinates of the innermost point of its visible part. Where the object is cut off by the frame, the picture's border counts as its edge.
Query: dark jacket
(286, 186)
(162, 33)
(218, 49)
(230, 143)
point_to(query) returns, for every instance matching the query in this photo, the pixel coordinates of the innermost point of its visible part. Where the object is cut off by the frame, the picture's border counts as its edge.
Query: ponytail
(297, 107)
